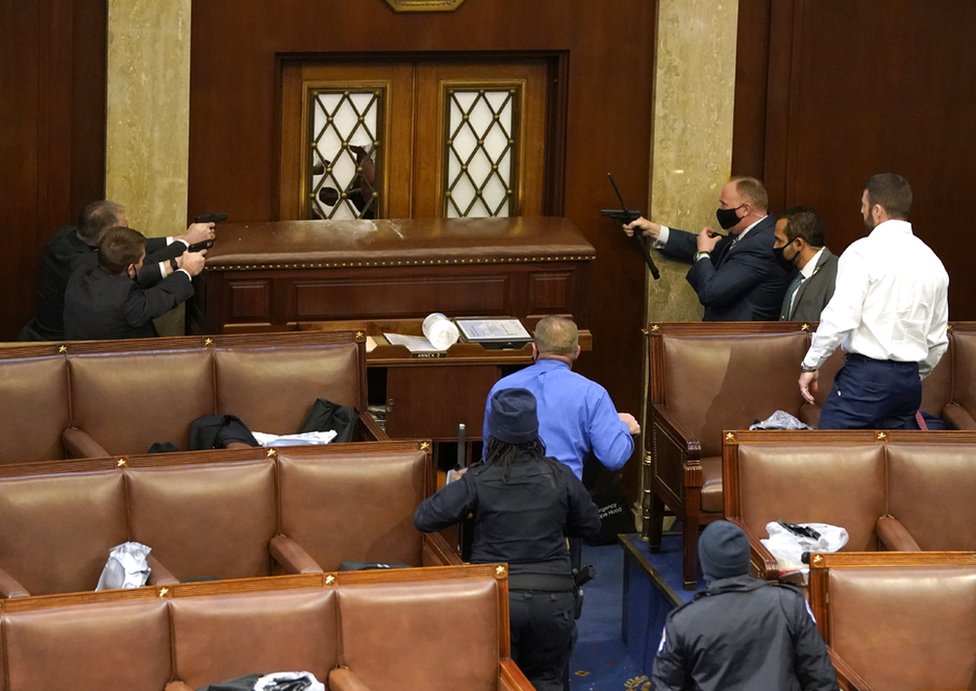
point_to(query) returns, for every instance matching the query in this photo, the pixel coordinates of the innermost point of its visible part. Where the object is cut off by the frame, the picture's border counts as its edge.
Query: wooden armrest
(894, 536)
(437, 551)
(766, 565)
(957, 417)
(10, 586)
(511, 677)
(177, 686)
(369, 430)
(344, 679)
(847, 678)
(673, 428)
(292, 556)
(79, 444)
(159, 574)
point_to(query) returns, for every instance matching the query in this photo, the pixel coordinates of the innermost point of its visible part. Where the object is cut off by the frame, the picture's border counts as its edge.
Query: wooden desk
(276, 273)
(427, 397)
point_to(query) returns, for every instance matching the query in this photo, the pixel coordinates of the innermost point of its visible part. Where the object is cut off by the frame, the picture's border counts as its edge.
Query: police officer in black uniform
(524, 505)
(740, 632)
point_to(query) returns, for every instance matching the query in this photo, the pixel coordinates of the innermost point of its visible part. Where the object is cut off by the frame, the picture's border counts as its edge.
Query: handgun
(216, 217)
(211, 218)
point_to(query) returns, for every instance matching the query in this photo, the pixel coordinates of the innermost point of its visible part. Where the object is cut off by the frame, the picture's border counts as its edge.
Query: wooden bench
(425, 629)
(99, 398)
(709, 377)
(216, 514)
(891, 490)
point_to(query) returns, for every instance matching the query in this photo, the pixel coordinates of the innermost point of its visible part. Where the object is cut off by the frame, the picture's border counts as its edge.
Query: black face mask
(779, 254)
(727, 217)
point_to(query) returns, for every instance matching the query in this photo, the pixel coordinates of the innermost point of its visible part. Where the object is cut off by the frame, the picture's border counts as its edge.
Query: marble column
(691, 154)
(147, 120)
(691, 149)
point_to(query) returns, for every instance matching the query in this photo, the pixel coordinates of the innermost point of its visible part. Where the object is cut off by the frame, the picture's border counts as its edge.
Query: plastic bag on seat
(788, 542)
(127, 567)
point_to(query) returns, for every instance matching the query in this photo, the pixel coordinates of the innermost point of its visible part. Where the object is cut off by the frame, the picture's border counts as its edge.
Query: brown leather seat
(426, 629)
(797, 477)
(706, 378)
(58, 530)
(225, 636)
(897, 622)
(216, 514)
(116, 646)
(391, 640)
(96, 398)
(930, 494)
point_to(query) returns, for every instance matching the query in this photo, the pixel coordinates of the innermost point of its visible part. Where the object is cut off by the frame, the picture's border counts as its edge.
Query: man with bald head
(576, 415)
(735, 276)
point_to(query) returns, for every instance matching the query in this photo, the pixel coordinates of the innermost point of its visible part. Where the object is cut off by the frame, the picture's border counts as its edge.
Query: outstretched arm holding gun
(206, 240)
(198, 238)
(630, 218)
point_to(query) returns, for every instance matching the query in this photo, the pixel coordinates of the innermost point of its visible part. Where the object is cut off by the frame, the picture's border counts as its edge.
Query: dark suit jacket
(741, 281)
(814, 293)
(99, 305)
(65, 252)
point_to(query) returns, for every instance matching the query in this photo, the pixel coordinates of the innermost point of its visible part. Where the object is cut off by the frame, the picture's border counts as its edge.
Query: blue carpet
(600, 660)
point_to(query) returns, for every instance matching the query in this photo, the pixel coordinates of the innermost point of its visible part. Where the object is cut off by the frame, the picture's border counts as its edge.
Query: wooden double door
(415, 139)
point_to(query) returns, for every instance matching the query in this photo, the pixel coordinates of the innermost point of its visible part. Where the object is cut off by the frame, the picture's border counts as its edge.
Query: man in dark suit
(74, 246)
(106, 302)
(735, 275)
(799, 245)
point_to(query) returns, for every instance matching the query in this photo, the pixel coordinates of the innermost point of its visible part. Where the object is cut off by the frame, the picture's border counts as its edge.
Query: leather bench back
(930, 491)
(714, 383)
(129, 401)
(130, 394)
(206, 521)
(225, 636)
(910, 627)
(339, 508)
(422, 636)
(842, 485)
(272, 389)
(115, 646)
(419, 630)
(57, 530)
(34, 408)
(963, 352)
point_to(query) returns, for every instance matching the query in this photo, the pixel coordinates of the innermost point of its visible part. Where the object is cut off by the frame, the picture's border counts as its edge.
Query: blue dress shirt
(576, 415)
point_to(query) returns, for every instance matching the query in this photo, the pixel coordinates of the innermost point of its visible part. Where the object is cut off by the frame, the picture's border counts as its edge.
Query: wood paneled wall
(829, 92)
(52, 141)
(238, 47)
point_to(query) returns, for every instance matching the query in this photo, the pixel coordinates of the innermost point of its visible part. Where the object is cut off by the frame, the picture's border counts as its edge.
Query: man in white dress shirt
(889, 313)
